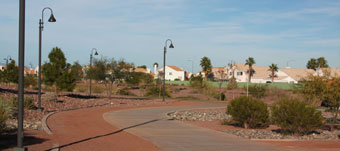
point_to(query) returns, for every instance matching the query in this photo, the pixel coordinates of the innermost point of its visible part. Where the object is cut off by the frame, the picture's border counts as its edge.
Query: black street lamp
(91, 55)
(8, 58)
(171, 46)
(20, 133)
(41, 26)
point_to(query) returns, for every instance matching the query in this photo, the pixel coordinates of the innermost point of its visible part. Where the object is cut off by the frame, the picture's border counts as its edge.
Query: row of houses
(239, 71)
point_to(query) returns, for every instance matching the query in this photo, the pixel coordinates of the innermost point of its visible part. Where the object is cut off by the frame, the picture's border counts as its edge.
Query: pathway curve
(152, 124)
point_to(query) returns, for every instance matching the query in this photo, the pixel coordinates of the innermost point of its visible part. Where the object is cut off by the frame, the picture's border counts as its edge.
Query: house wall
(171, 74)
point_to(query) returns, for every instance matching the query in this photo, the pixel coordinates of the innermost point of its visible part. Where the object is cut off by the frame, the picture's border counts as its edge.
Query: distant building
(172, 73)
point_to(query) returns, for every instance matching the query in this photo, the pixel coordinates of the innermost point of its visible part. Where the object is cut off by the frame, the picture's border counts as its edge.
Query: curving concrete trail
(152, 124)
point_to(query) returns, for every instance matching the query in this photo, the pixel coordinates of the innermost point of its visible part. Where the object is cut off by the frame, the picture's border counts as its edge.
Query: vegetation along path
(152, 124)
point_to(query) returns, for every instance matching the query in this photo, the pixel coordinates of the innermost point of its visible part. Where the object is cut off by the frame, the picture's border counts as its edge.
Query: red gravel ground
(324, 145)
(86, 130)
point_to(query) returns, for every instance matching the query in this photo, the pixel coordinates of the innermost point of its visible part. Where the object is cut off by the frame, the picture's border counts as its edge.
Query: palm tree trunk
(272, 77)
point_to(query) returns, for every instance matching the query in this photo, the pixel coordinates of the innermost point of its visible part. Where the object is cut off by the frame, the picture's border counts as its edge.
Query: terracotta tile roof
(28, 71)
(152, 74)
(175, 68)
(297, 74)
(140, 70)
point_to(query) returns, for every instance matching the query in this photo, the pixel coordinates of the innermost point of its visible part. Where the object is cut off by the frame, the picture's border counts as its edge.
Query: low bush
(49, 96)
(295, 117)
(28, 103)
(249, 112)
(232, 84)
(197, 82)
(156, 91)
(219, 96)
(257, 90)
(6, 112)
(125, 91)
(30, 80)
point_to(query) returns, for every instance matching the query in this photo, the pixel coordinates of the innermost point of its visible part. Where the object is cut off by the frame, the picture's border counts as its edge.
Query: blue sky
(271, 31)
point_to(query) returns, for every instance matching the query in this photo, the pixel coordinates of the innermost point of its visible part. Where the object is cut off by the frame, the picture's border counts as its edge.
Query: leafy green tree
(273, 68)
(57, 72)
(250, 62)
(11, 73)
(98, 70)
(331, 96)
(313, 63)
(206, 66)
(77, 71)
(322, 62)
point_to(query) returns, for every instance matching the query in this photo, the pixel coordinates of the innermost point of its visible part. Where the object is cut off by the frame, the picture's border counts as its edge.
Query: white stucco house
(263, 75)
(171, 73)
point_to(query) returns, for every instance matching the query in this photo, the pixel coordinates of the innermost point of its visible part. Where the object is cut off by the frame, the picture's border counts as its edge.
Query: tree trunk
(272, 77)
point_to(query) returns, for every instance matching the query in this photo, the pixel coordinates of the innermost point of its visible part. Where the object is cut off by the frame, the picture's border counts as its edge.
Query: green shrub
(30, 80)
(125, 91)
(249, 112)
(3, 119)
(232, 84)
(6, 111)
(257, 90)
(28, 103)
(157, 91)
(218, 95)
(49, 96)
(295, 117)
(197, 82)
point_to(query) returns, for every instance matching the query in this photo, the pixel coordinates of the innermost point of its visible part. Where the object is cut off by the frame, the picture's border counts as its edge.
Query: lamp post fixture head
(171, 46)
(96, 53)
(52, 19)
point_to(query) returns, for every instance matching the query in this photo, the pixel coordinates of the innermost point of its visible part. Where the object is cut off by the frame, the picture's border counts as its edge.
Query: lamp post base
(20, 149)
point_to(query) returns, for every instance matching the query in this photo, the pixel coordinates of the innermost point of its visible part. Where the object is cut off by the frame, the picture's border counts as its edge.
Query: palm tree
(206, 66)
(273, 68)
(250, 62)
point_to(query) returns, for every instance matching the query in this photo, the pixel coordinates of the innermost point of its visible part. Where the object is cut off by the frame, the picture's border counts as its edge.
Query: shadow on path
(108, 134)
(9, 139)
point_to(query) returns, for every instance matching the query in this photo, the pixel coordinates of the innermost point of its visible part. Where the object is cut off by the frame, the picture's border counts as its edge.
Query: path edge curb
(44, 125)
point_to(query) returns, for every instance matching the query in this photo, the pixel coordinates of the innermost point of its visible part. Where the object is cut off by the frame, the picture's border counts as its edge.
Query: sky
(284, 32)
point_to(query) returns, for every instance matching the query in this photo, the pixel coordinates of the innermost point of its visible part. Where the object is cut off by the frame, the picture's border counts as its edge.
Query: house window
(170, 73)
(230, 73)
(239, 73)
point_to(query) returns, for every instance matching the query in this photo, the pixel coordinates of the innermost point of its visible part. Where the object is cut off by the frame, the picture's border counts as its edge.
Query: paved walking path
(152, 124)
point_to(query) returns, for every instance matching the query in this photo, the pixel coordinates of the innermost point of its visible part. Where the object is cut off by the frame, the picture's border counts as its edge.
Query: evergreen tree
(11, 73)
(57, 72)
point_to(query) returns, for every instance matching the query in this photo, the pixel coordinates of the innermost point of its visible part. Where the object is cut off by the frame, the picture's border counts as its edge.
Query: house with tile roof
(147, 70)
(173, 73)
(263, 74)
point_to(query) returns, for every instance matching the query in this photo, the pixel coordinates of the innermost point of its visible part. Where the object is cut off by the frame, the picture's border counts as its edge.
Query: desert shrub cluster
(249, 112)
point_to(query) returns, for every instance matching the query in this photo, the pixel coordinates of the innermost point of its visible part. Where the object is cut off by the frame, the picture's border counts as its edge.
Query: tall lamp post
(171, 46)
(41, 27)
(91, 55)
(20, 133)
(7, 58)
